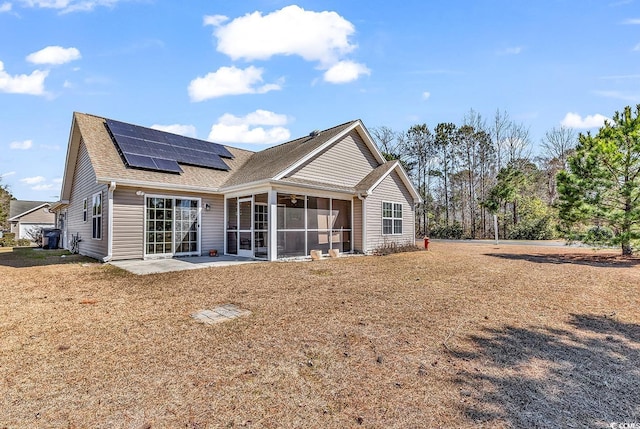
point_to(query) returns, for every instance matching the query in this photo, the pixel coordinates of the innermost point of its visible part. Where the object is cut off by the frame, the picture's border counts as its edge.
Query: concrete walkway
(154, 266)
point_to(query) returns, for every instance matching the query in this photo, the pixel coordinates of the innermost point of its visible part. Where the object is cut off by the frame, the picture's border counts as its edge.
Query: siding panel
(391, 189)
(128, 222)
(357, 225)
(344, 163)
(84, 186)
(38, 216)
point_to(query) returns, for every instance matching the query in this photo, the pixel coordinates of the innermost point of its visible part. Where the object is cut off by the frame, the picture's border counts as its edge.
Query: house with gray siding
(28, 217)
(130, 192)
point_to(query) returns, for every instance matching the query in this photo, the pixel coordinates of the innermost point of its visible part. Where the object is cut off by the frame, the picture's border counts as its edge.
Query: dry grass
(462, 335)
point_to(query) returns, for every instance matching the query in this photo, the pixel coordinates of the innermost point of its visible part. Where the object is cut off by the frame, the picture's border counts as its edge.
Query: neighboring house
(131, 192)
(27, 217)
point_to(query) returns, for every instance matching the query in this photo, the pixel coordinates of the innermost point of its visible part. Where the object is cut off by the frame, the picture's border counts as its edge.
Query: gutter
(157, 185)
(112, 187)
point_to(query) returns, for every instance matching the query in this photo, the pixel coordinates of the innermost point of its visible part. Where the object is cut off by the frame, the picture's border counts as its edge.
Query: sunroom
(274, 225)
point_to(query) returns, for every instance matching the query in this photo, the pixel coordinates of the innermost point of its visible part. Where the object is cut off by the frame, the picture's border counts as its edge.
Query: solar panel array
(161, 151)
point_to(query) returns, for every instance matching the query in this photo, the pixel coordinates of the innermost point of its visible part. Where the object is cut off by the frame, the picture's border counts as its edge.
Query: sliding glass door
(172, 226)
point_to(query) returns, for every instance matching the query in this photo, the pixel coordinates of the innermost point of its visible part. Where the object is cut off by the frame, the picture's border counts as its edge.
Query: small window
(391, 218)
(84, 210)
(96, 216)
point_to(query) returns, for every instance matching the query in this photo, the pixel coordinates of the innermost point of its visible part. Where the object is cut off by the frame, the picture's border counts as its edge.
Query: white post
(495, 226)
(272, 220)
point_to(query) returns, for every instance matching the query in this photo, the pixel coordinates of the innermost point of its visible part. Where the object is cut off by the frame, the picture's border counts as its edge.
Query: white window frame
(84, 210)
(393, 218)
(173, 226)
(96, 215)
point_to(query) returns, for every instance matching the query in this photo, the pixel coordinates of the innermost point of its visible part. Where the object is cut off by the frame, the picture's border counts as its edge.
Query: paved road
(546, 243)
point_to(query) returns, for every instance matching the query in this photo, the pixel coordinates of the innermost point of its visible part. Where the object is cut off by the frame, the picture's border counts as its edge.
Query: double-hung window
(84, 210)
(96, 216)
(391, 218)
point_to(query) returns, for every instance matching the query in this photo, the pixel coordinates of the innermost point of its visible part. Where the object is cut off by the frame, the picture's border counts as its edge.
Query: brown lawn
(462, 335)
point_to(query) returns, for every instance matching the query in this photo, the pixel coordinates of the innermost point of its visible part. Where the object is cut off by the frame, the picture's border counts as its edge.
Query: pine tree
(602, 185)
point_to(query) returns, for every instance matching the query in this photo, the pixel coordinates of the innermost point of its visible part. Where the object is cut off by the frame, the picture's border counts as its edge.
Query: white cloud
(259, 127)
(229, 81)
(621, 77)
(67, 6)
(618, 95)
(515, 50)
(214, 20)
(574, 120)
(32, 84)
(49, 147)
(636, 48)
(183, 130)
(345, 71)
(315, 36)
(33, 180)
(5, 7)
(57, 180)
(7, 174)
(426, 95)
(21, 145)
(633, 21)
(54, 55)
(43, 187)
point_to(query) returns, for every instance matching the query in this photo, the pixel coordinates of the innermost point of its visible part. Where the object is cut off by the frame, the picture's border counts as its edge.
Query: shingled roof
(246, 167)
(18, 208)
(109, 166)
(270, 162)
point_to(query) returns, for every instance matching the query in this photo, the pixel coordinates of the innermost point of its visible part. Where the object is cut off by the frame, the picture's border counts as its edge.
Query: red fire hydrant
(426, 243)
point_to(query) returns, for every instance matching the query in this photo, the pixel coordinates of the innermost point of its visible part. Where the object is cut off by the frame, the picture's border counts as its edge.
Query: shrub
(8, 239)
(390, 248)
(539, 229)
(453, 231)
(24, 242)
(598, 236)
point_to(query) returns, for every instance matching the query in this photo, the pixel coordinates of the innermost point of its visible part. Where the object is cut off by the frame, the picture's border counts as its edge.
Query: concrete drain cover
(219, 314)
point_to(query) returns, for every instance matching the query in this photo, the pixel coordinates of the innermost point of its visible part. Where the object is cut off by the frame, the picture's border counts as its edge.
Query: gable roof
(109, 167)
(246, 168)
(377, 175)
(276, 162)
(19, 208)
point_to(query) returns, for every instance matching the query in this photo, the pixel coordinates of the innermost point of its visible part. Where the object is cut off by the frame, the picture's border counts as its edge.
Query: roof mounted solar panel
(167, 165)
(151, 149)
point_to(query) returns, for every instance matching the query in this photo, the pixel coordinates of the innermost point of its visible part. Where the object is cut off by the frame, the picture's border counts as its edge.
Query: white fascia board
(17, 217)
(58, 205)
(73, 147)
(158, 186)
(364, 133)
(356, 125)
(293, 188)
(403, 176)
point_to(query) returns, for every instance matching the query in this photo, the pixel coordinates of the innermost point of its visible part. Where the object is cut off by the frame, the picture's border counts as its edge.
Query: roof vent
(314, 133)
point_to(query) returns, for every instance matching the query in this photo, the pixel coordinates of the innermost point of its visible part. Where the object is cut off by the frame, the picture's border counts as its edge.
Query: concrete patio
(155, 266)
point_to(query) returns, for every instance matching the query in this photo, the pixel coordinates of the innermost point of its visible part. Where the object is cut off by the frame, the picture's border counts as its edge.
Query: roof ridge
(308, 135)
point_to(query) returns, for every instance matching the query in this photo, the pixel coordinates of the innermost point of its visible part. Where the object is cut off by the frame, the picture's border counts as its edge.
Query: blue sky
(256, 73)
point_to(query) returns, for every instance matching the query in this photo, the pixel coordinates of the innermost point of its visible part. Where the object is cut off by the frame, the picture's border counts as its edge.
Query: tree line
(468, 172)
(582, 187)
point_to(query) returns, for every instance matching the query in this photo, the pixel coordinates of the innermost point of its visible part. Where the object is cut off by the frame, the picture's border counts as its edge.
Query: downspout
(364, 221)
(112, 187)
